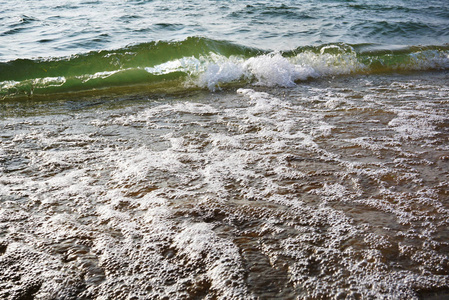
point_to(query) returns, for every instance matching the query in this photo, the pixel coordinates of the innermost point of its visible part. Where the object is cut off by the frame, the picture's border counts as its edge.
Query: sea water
(224, 149)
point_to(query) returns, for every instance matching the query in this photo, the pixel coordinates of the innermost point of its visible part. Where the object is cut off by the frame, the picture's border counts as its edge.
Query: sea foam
(240, 194)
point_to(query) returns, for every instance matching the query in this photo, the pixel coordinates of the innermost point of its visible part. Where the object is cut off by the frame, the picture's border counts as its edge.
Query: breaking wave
(198, 62)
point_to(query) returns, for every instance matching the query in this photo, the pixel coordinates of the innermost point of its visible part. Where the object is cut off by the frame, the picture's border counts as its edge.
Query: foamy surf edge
(206, 64)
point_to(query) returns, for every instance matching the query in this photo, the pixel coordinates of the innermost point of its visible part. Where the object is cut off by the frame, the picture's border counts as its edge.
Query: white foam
(152, 116)
(415, 124)
(189, 65)
(428, 59)
(136, 164)
(9, 84)
(276, 70)
(245, 186)
(101, 75)
(273, 69)
(219, 71)
(31, 84)
(325, 63)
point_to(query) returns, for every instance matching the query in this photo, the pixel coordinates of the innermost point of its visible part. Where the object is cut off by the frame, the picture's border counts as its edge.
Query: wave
(198, 62)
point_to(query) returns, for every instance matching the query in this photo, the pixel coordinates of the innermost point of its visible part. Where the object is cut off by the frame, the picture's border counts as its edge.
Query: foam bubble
(98, 75)
(198, 241)
(415, 125)
(237, 195)
(337, 61)
(276, 70)
(271, 69)
(186, 64)
(221, 70)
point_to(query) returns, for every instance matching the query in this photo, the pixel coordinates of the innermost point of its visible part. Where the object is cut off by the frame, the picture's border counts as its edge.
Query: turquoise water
(224, 149)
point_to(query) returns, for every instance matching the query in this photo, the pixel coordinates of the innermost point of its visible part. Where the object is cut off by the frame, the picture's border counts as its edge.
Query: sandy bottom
(330, 190)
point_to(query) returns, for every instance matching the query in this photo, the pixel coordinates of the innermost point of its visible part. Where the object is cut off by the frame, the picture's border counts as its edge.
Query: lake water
(224, 149)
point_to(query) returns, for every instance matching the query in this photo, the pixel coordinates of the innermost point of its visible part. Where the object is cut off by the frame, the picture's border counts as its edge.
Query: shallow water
(56, 49)
(224, 149)
(332, 189)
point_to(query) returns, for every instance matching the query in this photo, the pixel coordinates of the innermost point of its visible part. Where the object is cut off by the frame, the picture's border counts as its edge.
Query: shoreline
(331, 188)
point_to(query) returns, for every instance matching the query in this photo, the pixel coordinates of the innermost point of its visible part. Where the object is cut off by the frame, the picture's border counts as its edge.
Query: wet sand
(334, 189)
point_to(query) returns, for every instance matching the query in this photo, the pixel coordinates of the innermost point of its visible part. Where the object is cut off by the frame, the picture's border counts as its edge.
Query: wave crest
(205, 63)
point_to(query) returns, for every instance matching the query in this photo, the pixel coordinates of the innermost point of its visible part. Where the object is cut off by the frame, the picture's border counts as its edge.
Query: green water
(204, 63)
